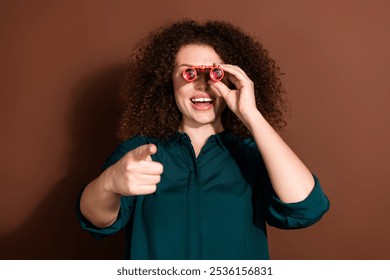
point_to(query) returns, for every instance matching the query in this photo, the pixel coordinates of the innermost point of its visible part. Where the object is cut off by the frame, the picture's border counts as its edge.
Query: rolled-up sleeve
(299, 214)
(127, 203)
(126, 208)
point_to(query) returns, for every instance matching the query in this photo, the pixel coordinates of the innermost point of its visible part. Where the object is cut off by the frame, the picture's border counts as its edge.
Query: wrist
(107, 181)
(252, 119)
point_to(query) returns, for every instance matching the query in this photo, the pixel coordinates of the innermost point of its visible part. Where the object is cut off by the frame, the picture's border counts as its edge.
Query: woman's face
(197, 102)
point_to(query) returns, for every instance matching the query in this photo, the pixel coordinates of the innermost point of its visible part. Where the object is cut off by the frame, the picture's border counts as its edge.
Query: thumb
(219, 88)
(145, 151)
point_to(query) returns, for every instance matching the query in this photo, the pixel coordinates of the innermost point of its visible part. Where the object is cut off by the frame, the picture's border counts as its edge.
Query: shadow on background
(53, 231)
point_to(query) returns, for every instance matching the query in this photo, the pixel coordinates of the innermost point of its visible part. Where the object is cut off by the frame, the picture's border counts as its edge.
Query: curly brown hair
(149, 106)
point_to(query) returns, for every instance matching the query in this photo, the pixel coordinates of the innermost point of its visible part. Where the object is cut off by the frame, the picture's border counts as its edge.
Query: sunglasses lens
(189, 74)
(216, 74)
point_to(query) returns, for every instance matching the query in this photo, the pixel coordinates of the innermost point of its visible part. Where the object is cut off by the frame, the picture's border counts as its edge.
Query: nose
(201, 81)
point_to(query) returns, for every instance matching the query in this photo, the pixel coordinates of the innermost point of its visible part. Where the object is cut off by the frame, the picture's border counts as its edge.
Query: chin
(206, 120)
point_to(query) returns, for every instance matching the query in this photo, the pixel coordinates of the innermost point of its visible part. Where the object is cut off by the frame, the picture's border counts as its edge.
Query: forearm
(98, 204)
(290, 178)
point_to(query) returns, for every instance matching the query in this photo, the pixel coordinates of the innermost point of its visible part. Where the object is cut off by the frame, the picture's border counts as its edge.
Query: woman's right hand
(136, 173)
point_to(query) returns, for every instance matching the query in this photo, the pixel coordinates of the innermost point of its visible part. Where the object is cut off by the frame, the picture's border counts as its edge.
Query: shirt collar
(173, 138)
(220, 138)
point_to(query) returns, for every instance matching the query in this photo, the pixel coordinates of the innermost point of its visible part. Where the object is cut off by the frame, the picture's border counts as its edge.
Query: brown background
(60, 65)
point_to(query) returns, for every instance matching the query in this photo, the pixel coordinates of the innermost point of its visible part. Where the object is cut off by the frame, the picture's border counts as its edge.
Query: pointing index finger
(145, 151)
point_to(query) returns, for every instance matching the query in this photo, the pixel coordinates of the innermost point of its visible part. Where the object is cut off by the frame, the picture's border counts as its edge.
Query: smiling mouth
(202, 100)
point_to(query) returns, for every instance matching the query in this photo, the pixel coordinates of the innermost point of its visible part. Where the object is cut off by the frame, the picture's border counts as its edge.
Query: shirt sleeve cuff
(298, 214)
(119, 224)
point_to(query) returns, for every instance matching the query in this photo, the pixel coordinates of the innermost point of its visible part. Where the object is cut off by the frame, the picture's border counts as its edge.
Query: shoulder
(134, 142)
(243, 148)
(233, 142)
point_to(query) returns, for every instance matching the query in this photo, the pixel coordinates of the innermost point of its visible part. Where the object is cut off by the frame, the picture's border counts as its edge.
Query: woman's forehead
(195, 54)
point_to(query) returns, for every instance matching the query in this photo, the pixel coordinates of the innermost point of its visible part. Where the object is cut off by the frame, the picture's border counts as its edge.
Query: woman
(201, 169)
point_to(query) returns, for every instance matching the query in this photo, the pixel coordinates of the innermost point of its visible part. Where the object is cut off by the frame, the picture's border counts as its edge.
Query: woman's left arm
(291, 179)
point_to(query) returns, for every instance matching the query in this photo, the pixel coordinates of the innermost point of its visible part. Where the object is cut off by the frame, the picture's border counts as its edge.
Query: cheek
(182, 90)
(179, 99)
(179, 89)
(179, 84)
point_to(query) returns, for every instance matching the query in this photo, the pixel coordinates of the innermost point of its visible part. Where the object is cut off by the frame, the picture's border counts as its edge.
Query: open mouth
(202, 100)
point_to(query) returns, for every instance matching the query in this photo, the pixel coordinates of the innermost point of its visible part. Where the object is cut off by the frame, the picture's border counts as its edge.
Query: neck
(200, 134)
(201, 131)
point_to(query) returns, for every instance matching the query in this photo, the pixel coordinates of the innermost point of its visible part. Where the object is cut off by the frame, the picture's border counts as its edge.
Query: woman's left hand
(241, 100)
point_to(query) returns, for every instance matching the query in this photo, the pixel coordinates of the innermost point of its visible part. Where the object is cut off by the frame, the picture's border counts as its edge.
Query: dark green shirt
(214, 206)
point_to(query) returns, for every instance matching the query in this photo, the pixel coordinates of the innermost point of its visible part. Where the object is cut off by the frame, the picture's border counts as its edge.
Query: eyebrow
(185, 64)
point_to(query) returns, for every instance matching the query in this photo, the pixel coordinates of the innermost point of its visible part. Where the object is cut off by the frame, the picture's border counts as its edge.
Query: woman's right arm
(134, 174)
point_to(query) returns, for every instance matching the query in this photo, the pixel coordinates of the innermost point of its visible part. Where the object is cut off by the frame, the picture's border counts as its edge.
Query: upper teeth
(202, 99)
